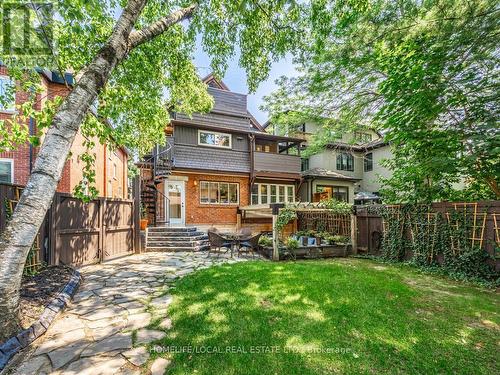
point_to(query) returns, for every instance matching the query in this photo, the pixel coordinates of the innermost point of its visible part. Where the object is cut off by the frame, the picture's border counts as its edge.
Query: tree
(124, 66)
(424, 73)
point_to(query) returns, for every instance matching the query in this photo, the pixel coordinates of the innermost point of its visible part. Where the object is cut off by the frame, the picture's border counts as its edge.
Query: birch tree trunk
(39, 192)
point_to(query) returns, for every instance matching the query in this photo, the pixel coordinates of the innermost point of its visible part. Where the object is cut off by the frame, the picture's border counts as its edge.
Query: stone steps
(172, 239)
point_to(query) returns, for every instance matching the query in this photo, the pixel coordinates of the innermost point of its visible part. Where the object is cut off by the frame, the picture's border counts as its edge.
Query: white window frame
(268, 195)
(11, 161)
(216, 134)
(13, 108)
(218, 188)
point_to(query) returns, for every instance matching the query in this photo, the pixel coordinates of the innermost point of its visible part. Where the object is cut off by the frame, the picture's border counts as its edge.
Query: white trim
(215, 133)
(11, 161)
(182, 184)
(218, 203)
(268, 195)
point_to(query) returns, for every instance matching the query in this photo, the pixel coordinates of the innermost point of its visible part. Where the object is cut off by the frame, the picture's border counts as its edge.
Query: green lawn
(345, 316)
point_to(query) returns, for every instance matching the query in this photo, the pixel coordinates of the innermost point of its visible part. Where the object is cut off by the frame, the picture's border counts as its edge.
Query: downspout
(252, 166)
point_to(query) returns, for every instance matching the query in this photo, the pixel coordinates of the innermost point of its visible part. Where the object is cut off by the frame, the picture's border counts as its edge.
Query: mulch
(38, 290)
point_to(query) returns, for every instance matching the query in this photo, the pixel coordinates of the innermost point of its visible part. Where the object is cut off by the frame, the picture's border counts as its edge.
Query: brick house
(16, 165)
(217, 162)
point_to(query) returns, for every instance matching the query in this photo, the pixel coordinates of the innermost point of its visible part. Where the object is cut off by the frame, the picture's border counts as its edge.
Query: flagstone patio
(94, 334)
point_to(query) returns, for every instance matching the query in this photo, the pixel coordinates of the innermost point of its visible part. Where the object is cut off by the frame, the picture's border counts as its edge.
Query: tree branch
(138, 37)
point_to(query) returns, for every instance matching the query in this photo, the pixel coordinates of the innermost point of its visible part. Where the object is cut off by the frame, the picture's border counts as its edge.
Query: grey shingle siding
(216, 120)
(229, 102)
(185, 135)
(198, 157)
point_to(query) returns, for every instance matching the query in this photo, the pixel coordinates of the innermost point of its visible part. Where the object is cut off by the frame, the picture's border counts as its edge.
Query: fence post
(137, 215)
(276, 210)
(354, 233)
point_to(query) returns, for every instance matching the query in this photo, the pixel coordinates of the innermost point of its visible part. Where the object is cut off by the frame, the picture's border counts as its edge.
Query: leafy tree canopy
(424, 73)
(157, 77)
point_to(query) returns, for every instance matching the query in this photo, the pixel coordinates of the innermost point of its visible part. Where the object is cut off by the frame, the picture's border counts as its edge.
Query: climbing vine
(448, 242)
(285, 216)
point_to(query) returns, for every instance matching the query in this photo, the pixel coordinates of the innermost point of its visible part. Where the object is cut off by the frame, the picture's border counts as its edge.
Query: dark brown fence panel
(77, 231)
(370, 231)
(118, 228)
(370, 226)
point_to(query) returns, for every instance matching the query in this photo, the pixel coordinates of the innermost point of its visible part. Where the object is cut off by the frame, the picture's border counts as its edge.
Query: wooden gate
(87, 233)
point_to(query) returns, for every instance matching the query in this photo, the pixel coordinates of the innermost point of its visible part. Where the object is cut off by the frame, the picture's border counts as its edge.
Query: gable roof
(214, 82)
(211, 80)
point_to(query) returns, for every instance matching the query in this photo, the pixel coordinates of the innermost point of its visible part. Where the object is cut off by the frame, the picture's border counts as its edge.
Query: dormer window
(214, 139)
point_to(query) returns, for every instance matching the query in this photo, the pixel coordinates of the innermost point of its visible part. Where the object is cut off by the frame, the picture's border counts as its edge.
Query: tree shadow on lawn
(320, 317)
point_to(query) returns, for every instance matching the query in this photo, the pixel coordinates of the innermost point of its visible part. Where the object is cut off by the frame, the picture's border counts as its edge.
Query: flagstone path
(94, 335)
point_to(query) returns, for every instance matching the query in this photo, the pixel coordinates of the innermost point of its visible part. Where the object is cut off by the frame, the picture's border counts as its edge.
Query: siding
(216, 120)
(229, 102)
(197, 157)
(267, 162)
(185, 135)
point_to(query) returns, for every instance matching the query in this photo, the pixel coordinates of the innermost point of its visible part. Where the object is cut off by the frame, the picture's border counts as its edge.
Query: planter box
(334, 251)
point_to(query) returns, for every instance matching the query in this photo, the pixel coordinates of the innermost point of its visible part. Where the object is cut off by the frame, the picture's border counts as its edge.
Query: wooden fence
(484, 225)
(77, 233)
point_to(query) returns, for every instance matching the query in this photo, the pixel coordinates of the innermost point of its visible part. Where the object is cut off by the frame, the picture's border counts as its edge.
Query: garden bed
(309, 252)
(38, 290)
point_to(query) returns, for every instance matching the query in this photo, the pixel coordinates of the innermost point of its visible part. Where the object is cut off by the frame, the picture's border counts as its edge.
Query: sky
(235, 79)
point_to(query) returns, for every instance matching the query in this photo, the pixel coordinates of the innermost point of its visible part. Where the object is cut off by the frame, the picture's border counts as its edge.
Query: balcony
(276, 163)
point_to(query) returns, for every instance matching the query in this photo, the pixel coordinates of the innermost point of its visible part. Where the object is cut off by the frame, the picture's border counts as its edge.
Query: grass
(347, 316)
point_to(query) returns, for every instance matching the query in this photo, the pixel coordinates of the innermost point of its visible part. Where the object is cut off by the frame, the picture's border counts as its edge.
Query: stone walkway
(94, 335)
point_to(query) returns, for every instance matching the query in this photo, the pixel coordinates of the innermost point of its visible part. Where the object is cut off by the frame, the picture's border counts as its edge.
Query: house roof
(326, 173)
(216, 83)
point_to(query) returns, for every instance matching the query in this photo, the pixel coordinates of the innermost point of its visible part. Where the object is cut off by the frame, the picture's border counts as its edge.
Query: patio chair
(217, 242)
(252, 244)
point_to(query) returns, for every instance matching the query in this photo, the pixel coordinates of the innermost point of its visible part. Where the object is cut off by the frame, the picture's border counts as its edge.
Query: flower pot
(144, 224)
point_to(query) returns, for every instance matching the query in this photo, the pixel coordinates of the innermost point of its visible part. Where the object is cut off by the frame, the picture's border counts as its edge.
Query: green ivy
(419, 235)
(285, 216)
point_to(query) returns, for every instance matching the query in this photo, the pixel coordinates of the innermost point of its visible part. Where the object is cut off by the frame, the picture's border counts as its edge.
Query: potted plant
(292, 244)
(266, 244)
(144, 217)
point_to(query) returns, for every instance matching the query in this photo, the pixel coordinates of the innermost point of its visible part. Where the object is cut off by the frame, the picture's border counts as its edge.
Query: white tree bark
(39, 192)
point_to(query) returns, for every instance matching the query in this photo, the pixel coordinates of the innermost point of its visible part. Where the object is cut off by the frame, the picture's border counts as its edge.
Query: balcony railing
(271, 162)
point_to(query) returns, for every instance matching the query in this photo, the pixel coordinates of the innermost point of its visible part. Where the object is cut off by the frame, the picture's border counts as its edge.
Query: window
(7, 171)
(345, 162)
(255, 194)
(272, 193)
(340, 193)
(369, 162)
(219, 192)
(263, 194)
(115, 174)
(7, 94)
(304, 166)
(362, 137)
(214, 139)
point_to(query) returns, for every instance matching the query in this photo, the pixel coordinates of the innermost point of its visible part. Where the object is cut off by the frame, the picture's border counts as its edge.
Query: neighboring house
(349, 165)
(215, 163)
(16, 165)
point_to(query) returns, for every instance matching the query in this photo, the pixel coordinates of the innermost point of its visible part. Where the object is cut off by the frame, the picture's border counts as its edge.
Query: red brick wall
(21, 154)
(198, 213)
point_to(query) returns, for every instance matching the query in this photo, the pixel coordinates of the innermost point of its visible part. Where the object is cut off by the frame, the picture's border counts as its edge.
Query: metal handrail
(152, 160)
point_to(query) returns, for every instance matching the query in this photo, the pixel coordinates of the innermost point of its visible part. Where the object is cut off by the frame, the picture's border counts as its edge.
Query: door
(176, 202)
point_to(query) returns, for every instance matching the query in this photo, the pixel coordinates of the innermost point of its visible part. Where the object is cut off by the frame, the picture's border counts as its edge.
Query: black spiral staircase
(155, 168)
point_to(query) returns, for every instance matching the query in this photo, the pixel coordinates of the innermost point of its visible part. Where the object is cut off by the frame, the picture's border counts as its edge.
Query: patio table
(235, 239)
